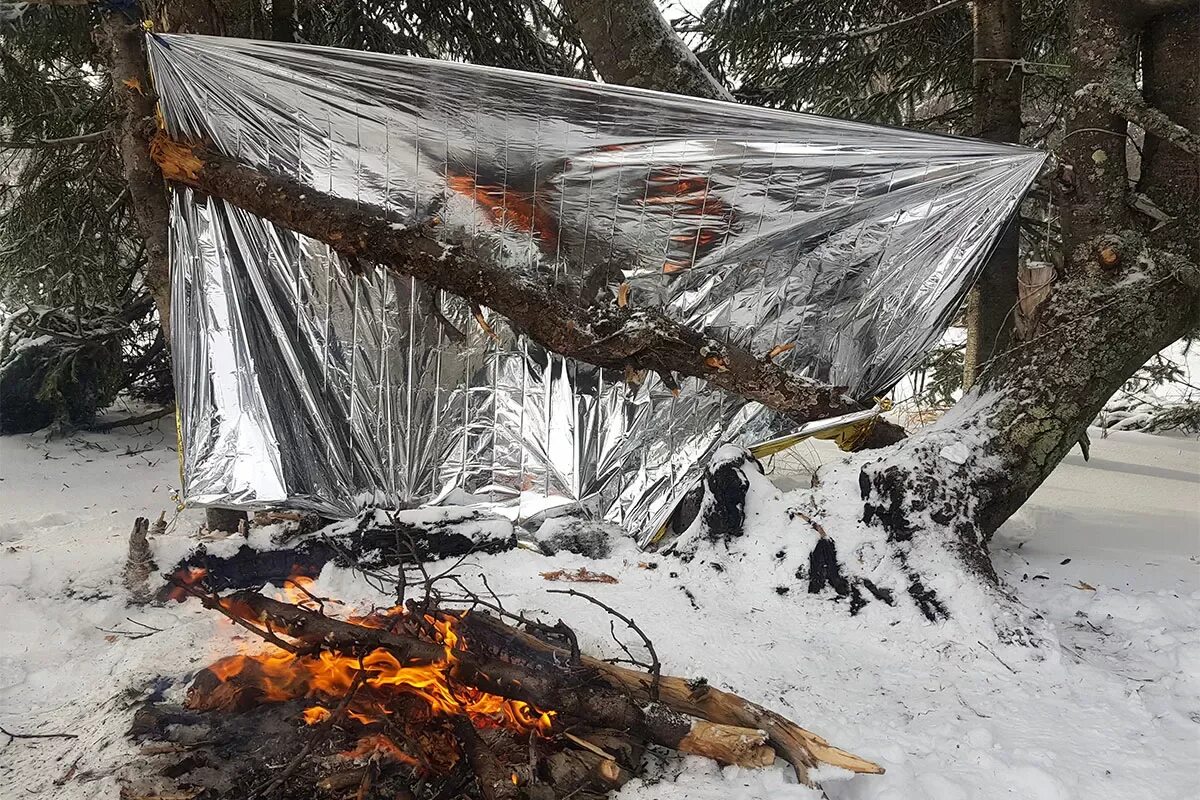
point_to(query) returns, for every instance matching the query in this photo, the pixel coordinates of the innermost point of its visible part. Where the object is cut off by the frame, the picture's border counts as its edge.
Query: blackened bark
(631, 44)
(991, 306)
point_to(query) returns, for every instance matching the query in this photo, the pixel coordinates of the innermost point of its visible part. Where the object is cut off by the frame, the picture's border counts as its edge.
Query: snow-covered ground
(1107, 708)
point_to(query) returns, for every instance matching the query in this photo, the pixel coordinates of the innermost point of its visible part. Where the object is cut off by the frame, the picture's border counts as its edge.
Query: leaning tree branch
(609, 336)
(1132, 106)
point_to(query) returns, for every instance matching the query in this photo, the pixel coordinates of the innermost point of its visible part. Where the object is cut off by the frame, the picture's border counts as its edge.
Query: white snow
(1107, 706)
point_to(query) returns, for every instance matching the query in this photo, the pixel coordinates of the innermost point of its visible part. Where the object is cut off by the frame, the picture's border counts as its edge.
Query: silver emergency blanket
(301, 384)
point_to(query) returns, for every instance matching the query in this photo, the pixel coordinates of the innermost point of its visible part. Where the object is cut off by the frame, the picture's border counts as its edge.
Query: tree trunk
(135, 103)
(283, 20)
(933, 502)
(631, 44)
(991, 305)
(1171, 73)
(147, 191)
(1125, 295)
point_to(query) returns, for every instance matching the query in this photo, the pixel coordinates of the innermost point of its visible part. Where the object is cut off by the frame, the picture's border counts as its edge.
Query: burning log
(666, 711)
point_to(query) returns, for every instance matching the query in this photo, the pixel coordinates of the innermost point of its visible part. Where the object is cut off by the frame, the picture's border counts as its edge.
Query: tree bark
(631, 44)
(147, 196)
(992, 303)
(136, 102)
(1126, 294)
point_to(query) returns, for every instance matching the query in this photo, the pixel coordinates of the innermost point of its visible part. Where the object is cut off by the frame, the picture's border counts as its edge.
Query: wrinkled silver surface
(300, 384)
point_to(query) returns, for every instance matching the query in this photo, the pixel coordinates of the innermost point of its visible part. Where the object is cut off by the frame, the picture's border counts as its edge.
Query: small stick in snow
(11, 736)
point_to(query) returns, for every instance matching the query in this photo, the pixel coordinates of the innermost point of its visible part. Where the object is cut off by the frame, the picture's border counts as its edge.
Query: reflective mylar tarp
(301, 384)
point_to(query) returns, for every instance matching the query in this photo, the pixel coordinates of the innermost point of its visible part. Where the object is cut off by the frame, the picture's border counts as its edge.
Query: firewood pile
(445, 694)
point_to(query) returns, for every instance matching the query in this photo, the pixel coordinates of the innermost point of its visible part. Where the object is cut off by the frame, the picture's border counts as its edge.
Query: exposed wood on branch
(554, 317)
(746, 747)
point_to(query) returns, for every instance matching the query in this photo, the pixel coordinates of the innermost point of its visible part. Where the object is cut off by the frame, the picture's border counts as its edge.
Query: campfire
(401, 713)
(443, 696)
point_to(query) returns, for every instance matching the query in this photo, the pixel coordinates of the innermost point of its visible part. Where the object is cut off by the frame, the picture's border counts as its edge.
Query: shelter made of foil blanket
(303, 384)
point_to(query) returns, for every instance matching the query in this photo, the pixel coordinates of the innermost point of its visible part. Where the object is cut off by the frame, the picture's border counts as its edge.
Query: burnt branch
(608, 336)
(803, 749)
(494, 780)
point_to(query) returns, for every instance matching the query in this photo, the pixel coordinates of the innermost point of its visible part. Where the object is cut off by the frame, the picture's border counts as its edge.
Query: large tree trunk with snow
(1126, 293)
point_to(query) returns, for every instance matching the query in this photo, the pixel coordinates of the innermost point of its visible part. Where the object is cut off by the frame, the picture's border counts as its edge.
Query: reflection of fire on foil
(302, 384)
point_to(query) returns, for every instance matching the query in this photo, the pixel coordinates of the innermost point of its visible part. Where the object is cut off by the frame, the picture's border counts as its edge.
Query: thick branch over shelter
(610, 336)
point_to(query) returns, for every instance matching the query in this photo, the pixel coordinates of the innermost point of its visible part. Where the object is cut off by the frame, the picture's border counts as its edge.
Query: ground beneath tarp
(1107, 708)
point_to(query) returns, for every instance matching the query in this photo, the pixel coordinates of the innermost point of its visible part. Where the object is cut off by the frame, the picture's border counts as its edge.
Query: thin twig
(655, 667)
(11, 736)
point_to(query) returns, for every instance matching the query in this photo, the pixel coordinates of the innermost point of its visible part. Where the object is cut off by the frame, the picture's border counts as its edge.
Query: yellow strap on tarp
(850, 436)
(846, 430)
(179, 452)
